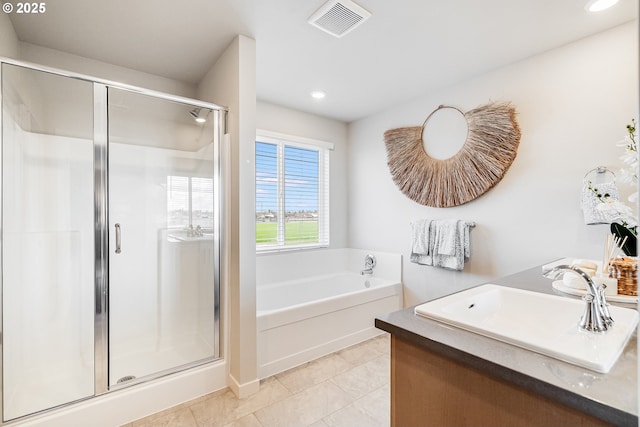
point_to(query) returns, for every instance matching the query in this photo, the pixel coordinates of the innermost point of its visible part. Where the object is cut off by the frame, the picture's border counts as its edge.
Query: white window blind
(177, 201)
(202, 202)
(292, 193)
(189, 202)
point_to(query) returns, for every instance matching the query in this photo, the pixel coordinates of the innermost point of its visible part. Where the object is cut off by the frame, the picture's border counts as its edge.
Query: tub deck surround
(278, 267)
(611, 397)
(312, 303)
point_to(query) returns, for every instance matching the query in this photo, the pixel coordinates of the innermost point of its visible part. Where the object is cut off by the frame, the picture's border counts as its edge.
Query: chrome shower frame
(101, 225)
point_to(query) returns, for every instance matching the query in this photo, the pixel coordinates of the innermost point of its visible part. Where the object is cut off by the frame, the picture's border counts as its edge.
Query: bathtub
(313, 303)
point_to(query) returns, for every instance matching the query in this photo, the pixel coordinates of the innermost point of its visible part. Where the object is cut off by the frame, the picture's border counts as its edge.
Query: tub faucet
(369, 263)
(596, 317)
(194, 232)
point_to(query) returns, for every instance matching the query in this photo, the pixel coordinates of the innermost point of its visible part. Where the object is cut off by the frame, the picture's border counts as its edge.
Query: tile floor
(346, 388)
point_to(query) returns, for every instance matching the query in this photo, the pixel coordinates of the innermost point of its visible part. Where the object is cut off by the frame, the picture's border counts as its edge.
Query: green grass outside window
(295, 232)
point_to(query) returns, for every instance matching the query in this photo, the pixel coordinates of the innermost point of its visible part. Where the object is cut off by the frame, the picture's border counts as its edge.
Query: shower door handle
(118, 239)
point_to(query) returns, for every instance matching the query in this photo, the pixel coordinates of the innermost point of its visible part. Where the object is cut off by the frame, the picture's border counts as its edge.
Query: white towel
(440, 243)
(449, 247)
(446, 237)
(420, 242)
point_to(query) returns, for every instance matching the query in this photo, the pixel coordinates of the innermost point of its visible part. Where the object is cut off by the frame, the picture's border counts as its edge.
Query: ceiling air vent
(338, 17)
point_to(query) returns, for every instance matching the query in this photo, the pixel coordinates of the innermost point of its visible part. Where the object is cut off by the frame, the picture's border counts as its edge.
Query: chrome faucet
(194, 232)
(596, 317)
(369, 263)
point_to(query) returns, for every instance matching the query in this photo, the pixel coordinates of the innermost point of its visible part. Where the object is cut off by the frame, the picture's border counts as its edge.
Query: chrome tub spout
(369, 264)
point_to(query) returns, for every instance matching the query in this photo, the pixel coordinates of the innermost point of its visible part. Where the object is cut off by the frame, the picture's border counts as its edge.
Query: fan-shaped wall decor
(492, 141)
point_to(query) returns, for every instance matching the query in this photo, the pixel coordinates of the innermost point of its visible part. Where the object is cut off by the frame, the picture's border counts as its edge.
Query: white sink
(546, 324)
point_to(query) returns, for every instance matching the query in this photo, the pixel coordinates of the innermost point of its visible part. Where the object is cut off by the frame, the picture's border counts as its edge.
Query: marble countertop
(612, 397)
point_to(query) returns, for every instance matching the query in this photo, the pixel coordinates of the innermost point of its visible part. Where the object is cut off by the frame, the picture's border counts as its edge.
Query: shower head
(198, 115)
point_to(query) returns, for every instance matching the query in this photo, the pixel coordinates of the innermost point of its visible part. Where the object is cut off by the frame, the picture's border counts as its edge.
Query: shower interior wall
(167, 287)
(54, 163)
(50, 163)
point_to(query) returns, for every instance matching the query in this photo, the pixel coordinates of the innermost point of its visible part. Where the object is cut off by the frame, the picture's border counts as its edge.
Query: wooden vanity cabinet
(428, 389)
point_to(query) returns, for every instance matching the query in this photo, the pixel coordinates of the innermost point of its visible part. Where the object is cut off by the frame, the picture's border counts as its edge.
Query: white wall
(78, 64)
(283, 120)
(9, 45)
(573, 103)
(231, 82)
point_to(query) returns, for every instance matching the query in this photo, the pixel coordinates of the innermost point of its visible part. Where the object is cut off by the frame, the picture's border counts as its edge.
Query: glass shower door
(47, 240)
(162, 247)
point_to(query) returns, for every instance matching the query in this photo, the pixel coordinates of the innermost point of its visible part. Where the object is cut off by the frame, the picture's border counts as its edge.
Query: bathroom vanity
(442, 375)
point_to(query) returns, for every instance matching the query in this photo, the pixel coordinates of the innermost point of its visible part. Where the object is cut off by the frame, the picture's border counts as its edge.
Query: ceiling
(407, 48)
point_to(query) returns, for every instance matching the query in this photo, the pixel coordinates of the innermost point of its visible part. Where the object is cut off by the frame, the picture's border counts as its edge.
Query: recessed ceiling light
(318, 94)
(599, 5)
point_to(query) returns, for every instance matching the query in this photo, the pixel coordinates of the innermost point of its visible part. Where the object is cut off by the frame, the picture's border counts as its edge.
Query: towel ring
(600, 170)
(493, 136)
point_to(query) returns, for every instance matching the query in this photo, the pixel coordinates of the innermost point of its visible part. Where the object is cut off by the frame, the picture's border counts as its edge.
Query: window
(292, 192)
(189, 202)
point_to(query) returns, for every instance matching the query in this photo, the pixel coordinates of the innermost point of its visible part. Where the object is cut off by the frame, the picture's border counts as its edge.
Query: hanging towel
(446, 241)
(420, 242)
(449, 247)
(441, 243)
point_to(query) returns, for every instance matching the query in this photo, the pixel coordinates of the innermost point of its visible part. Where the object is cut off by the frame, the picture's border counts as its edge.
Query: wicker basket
(625, 270)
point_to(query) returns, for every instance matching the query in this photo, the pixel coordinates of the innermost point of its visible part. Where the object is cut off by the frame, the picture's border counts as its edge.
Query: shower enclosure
(110, 233)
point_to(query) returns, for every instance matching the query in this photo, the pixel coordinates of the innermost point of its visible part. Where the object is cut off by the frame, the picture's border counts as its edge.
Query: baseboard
(243, 390)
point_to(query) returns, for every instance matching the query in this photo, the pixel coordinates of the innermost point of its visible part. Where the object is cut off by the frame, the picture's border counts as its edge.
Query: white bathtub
(322, 305)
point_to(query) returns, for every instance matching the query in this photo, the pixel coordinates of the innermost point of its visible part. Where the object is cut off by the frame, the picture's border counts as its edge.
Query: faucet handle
(591, 319)
(369, 264)
(604, 305)
(369, 261)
